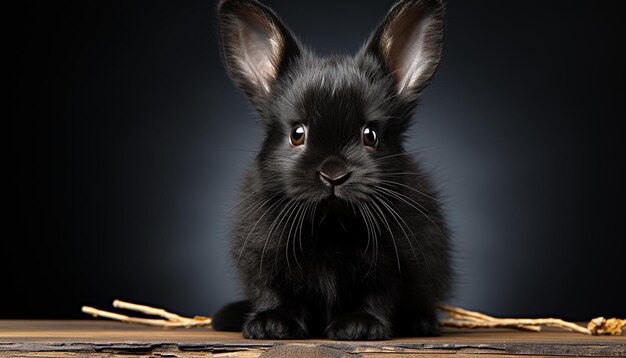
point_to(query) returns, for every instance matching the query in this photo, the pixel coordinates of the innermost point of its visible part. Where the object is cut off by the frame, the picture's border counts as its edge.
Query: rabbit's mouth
(337, 205)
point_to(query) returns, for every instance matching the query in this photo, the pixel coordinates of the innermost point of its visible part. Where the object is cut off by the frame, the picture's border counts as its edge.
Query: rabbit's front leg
(277, 318)
(371, 321)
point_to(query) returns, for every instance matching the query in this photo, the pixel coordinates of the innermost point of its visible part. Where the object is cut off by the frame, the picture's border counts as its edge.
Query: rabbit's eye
(298, 135)
(370, 138)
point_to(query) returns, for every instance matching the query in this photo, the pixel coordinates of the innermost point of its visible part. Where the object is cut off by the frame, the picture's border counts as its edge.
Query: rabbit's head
(334, 127)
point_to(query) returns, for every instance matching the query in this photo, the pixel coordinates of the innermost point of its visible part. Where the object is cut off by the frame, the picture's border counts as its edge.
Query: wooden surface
(107, 338)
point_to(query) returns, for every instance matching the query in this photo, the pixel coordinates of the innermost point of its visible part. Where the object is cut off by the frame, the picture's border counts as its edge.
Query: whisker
(271, 230)
(246, 198)
(312, 224)
(297, 214)
(400, 195)
(395, 245)
(293, 208)
(371, 236)
(410, 188)
(253, 208)
(367, 228)
(257, 222)
(377, 160)
(390, 172)
(396, 216)
(377, 233)
(300, 225)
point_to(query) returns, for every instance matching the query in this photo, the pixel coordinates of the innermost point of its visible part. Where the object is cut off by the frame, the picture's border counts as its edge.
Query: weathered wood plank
(113, 339)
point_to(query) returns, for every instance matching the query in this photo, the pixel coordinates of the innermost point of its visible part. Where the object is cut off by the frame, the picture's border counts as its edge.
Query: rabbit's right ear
(257, 47)
(409, 43)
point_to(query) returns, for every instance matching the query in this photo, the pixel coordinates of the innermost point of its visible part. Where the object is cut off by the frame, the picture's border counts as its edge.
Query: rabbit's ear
(257, 47)
(409, 43)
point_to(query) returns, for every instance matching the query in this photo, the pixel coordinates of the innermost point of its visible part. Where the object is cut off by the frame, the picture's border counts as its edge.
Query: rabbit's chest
(331, 273)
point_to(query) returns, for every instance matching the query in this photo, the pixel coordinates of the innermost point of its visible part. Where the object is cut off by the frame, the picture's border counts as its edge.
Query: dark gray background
(127, 140)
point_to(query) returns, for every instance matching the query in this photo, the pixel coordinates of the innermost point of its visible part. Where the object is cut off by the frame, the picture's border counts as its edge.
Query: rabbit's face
(333, 127)
(330, 131)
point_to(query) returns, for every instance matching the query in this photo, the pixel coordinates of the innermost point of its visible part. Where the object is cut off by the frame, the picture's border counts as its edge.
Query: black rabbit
(338, 232)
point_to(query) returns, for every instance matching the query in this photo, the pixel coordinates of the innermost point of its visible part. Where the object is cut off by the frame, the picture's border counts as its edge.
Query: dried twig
(604, 326)
(461, 318)
(149, 311)
(458, 317)
(171, 320)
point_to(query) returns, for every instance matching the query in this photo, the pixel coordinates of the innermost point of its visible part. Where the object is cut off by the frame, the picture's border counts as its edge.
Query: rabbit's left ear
(257, 47)
(409, 43)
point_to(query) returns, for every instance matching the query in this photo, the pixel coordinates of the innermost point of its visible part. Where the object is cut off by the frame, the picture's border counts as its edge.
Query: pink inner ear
(411, 49)
(261, 46)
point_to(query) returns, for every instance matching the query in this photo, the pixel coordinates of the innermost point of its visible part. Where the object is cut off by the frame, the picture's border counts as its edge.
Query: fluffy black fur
(365, 258)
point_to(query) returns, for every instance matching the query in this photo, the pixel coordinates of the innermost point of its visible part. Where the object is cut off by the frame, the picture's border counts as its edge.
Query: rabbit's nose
(335, 179)
(334, 172)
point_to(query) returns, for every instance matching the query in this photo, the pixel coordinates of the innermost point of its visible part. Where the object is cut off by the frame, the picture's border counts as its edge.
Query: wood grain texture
(113, 339)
